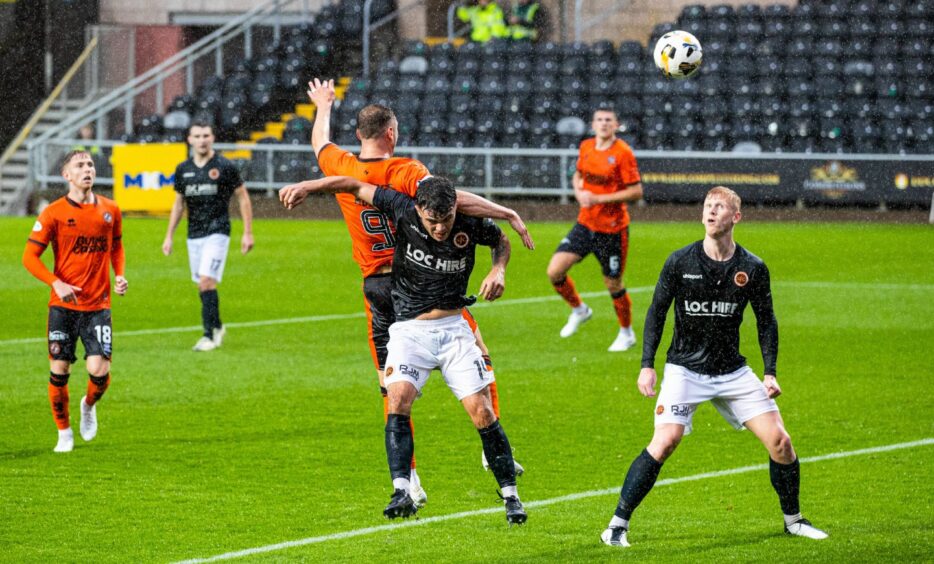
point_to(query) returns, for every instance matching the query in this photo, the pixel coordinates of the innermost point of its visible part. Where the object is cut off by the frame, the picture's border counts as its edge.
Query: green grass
(278, 435)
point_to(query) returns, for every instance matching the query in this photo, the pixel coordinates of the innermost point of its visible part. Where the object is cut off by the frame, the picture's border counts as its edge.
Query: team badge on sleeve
(214, 174)
(107, 217)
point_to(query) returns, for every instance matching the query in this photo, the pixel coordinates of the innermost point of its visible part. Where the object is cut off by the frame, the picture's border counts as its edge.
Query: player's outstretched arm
(322, 95)
(494, 284)
(294, 194)
(478, 206)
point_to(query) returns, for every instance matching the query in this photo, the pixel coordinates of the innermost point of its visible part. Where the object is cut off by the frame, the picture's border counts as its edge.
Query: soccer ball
(678, 54)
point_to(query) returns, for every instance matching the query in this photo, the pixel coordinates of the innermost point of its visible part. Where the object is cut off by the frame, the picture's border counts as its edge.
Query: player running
(710, 282)
(434, 257)
(84, 230)
(606, 178)
(204, 184)
(371, 233)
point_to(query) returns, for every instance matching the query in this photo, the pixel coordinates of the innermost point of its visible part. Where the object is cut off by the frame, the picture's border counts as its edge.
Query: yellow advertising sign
(144, 176)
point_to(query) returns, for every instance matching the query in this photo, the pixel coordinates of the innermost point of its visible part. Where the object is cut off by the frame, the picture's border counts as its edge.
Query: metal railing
(455, 33)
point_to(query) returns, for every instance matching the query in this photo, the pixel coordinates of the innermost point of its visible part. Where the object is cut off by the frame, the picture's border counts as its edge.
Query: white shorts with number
(417, 347)
(207, 256)
(738, 396)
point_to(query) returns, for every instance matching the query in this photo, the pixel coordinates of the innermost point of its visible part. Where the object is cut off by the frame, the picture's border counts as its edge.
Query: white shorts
(738, 396)
(417, 347)
(207, 256)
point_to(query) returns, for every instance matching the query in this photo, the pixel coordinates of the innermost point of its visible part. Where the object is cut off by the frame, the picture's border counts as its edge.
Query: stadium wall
(156, 12)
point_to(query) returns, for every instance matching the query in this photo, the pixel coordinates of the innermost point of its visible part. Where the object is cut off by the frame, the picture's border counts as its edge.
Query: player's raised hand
(320, 93)
(771, 386)
(246, 243)
(66, 291)
(519, 227)
(493, 285)
(647, 378)
(121, 285)
(292, 195)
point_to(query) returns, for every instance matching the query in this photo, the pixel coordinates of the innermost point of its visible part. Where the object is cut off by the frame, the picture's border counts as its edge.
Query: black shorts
(377, 294)
(609, 248)
(66, 325)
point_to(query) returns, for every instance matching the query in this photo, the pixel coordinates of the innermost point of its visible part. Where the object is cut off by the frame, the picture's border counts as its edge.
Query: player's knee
(664, 443)
(206, 284)
(614, 285)
(781, 446)
(98, 366)
(483, 417)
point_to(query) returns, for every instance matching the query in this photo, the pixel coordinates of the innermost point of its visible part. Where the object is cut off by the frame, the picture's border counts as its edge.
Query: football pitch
(271, 448)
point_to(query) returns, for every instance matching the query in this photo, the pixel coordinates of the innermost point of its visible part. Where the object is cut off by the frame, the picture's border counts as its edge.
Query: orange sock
(494, 397)
(97, 385)
(568, 291)
(412, 428)
(58, 398)
(623, 305)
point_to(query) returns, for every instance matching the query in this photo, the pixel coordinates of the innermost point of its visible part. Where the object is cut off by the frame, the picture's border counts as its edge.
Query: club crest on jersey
(214, 174)
(107, 217)
(37, 226)
(612, 160)
(461, 239)
(389, 371)
(740, 278)
(659, 410)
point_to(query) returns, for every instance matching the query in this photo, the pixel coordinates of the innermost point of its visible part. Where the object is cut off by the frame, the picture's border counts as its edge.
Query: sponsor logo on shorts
(54, 348)
(37, 226)
(107, 217)
(461, 239)
(58, 336)
(741, 278)
(409, 371)
(214, 174)
(659, 410)
(389, 371)
(682, 409)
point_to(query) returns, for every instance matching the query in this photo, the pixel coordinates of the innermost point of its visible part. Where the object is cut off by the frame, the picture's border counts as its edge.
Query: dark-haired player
(711, 282)
(371, 232)
(85, 231)
(204, 184)
(606, 178)
(434, 256)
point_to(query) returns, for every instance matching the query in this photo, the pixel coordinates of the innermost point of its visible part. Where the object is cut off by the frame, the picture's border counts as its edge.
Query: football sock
(568, 291)
(385, 403)
(499, 454)
(399, 446)
(511, 491)
(623, 305)
(786, 479)
(412, 434)
(494, 398)
(791, 519)
(58, 398)
(639, 481)
(619, 522)
(210, 312)
(97, 385)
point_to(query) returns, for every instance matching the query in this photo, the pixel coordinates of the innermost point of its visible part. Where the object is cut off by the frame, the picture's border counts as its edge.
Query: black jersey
(429, 274)
(207, 192)
(710, 297)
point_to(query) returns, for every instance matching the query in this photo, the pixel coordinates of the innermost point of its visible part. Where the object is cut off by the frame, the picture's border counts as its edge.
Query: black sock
(399, 446)
(210, 312)
(786, 479)
(639, 481)
(499, 454)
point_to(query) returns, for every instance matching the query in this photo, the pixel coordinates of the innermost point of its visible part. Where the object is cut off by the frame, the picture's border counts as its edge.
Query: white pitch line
(539, 503)
(506, 302)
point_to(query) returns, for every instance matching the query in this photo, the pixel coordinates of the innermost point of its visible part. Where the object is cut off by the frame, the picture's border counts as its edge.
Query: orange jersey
(605, 172)
(85, 239)
(372, 234)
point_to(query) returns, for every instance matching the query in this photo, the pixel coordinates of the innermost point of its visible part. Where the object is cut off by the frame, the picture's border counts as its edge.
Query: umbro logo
(693, 276)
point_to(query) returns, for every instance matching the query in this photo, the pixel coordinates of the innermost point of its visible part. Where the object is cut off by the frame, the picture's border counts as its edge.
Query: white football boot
(624, 341)
(416, 491)
(204, 344)
(66, 440)
(575, 320)
(218, 335)
(615, 536)
(803, 528)
(88, 425)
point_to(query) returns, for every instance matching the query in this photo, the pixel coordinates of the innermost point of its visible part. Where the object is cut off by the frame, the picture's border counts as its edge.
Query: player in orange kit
(371, 232)
(84, 230)
(606, 178)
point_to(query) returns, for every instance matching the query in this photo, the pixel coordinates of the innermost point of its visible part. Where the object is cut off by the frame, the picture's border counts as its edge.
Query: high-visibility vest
(486, 22)
(526, 29)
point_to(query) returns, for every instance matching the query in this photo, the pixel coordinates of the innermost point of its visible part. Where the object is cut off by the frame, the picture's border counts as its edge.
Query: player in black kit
(434, 256)
(204, 183)
(710, 282)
